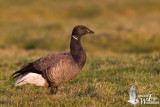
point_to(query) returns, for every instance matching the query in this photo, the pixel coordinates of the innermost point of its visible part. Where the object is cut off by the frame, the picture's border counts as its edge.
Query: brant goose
(58, 68)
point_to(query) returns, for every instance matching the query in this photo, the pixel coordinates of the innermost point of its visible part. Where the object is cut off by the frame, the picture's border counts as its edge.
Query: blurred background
(120, 26)
(124, 51)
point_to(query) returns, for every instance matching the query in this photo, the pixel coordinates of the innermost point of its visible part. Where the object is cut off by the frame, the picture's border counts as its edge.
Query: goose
(57, 68)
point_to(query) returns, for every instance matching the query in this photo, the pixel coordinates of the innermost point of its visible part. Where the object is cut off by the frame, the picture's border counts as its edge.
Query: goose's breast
(71, 71)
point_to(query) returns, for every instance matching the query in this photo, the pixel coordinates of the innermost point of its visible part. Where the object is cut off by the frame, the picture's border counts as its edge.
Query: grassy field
(124, 51)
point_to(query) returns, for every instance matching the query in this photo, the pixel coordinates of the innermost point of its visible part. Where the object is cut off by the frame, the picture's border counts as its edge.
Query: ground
(124, 51)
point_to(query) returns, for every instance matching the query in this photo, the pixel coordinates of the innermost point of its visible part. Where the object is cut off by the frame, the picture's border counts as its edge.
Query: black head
(81, 30)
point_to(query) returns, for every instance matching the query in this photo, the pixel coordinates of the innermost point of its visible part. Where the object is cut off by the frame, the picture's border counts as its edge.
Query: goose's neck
(77, 51)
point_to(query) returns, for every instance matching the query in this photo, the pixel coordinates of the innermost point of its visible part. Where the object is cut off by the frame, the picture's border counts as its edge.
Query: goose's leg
(52, 84)
(54, 88)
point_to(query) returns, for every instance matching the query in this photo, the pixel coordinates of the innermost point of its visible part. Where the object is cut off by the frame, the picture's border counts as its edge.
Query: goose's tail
(29, 75)
(32, 78)
(25, 69)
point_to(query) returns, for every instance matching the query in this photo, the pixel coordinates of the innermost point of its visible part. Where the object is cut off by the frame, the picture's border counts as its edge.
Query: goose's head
(80, 30)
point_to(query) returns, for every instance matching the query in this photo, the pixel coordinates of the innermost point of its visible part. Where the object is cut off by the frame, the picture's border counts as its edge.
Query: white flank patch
(32, 78)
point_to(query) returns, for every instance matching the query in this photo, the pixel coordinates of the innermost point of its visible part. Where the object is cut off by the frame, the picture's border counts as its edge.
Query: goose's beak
(90, 31)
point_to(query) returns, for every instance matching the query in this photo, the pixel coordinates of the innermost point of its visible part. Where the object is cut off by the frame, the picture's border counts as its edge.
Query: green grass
(124, 51)
(105, 80)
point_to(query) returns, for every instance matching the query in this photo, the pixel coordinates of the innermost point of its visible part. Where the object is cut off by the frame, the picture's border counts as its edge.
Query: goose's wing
(40, 65)
(58, 68)
(49, 61)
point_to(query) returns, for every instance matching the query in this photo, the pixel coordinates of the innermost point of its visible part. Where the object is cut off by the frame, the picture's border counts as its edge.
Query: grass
(124, 51)
(103, 81)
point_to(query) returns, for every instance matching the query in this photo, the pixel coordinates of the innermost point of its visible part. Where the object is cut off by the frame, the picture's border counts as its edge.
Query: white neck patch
(75, 37)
